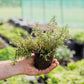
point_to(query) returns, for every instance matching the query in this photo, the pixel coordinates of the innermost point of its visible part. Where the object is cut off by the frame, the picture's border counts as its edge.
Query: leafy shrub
(63, 53)
(44, 43)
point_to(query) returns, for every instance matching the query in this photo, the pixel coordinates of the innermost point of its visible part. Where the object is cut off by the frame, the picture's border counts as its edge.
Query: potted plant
(43, 45)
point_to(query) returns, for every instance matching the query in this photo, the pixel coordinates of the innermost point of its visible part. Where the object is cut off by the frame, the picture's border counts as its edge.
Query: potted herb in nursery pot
(43, 45)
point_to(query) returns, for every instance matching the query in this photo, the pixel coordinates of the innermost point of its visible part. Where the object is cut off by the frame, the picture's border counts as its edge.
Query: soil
(40, 63)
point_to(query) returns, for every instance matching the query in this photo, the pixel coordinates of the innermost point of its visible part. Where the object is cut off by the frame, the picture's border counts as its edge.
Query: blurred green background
(69, 12)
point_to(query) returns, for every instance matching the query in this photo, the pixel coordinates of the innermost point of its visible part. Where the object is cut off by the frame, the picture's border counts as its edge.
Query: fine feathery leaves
(43, 43)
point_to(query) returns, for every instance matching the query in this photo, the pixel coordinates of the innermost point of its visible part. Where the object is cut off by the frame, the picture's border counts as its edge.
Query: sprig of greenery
(43, 43)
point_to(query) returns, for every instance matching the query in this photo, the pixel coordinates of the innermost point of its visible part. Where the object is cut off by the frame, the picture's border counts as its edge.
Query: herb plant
(44, 44)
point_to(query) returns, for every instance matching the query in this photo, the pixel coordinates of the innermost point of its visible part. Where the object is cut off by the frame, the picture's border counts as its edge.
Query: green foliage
(81, 71)
(72, 66)
(7, 53)
(73, 74)
(63, 53)
(44, 43)
(20, 79)
(79, 37)
(11, 32)
(77, 34)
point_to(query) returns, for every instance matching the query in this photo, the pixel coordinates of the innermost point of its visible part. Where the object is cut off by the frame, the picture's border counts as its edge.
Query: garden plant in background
(79, 37)
(44, 45)
(63, 54)
(11, 32)
(72, 74)
(7, 53)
